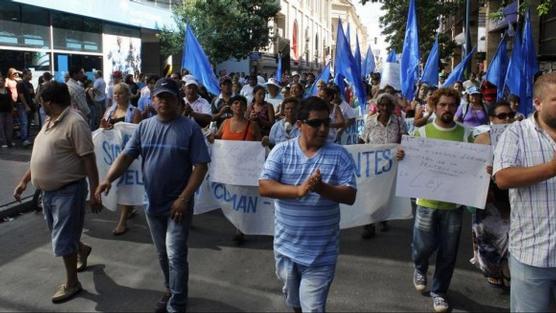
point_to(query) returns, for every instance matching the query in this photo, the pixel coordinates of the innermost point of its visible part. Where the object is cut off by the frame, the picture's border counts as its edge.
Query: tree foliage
(224, 28)
(543, 7)
(428, 17)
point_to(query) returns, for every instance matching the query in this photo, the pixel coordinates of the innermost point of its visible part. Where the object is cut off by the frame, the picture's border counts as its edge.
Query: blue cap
(473, 90)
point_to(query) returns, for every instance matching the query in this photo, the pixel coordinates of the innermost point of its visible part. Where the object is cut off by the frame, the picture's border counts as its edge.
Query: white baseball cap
(272, 81)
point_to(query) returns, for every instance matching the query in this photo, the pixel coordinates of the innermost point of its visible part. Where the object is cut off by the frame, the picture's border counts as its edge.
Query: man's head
(98, 74)
(175, 76)
(26, 75)
(252, 80)
(544, 98)
(191, 89)
(165, 98)
(445, 102)
(295, 77)
(314, 121)
(46, 76)
(328, 93)
(226, 85)
(273, 87)
(76, 73)
(151, 81)
(55, 97)
(310, 77)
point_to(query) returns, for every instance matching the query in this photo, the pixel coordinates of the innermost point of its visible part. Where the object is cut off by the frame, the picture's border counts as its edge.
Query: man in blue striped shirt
(525, 162)
(310, 178)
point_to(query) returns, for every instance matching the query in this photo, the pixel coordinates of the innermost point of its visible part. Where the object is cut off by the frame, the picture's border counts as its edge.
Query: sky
(369, 14)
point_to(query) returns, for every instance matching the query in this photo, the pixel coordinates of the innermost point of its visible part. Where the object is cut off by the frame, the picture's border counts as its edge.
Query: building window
(76, 33)
(24, 26)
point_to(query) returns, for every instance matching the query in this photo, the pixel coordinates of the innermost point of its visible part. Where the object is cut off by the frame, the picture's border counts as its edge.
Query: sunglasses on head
(505, 115)
(317, 123)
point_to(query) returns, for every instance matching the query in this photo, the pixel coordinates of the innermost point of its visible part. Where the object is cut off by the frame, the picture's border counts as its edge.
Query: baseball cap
(191, 81)
(273, 82)
(166, 85)
(294, 73)
(473, 90)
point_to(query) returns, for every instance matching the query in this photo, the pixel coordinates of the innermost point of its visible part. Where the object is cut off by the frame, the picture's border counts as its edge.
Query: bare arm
(137, 117)
(92, 174)
(273, 189)
(515, 177)
(341, 194)
(180, 205)
(20, 188)
(201, 118)
(116, 170)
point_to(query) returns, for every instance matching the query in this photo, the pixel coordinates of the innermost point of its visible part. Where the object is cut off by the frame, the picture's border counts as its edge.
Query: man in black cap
(175, 158)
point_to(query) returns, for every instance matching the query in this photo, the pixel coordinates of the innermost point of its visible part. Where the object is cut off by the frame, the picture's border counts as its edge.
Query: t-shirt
(57, 154)
(433, 131)
(247, 92)
(100, 89)
(278, 132)
(168, 150)
(25, 89)
(306, 229)
(472, 117)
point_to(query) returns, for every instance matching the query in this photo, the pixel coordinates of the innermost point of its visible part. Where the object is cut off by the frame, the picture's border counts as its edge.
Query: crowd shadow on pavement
(111, 297)
(460, 302)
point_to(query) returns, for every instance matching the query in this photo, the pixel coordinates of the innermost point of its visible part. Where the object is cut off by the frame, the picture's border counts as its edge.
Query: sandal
(496, 282)
(119, 233)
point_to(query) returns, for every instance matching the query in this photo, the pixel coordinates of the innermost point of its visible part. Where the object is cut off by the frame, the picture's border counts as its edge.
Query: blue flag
(496, 72)
(196, 61)
(530, 68)
(278, 76)
(513, 74)
(357, 54)
(430, 73)
(348, 36)
(392, 58)
(369, 65)
(344, 66)
(410, 55)
(457, 73)
(324, 76)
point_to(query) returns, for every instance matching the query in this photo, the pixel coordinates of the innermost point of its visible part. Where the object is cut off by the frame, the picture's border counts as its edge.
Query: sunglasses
(317, 123)
(504, 116)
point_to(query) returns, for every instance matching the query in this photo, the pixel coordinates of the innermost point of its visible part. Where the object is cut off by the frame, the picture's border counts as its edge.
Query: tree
(543, 7)
(225, 28)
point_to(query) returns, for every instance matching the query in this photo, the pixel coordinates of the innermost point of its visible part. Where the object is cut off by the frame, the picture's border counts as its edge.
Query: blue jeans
(533, 288)
(23, 122)
(436, 230)
(64, 213)
(170, 241)
(305, 287)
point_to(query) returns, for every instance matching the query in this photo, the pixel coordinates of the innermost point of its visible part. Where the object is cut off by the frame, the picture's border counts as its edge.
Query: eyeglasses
(317, 123)
(504, 115)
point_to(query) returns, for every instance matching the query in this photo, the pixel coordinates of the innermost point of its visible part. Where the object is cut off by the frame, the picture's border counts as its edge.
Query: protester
(46, 77)
(331, 95)
(286, 128)
(77, 93)
(474, 113)
(247, 90)
(134, 88)
(382, 128)
(236, 88)
(196, 107)
(145, 102)
(295, 78)
(438, 224)
(310, 80)
(514, 103)
(121, 111)
(220, 106)
(309, 186)
(273, 96)
(99, 92)
(296, 90)
(174, 163)
(491, 225)
(26, 105)
(525, 163)
(6, 120)
(11, 83)
(63, 155)
(116, 79)
(261, 111)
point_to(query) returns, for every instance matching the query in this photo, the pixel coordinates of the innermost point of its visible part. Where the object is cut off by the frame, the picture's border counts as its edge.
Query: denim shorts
(64, 212)
(305, 287)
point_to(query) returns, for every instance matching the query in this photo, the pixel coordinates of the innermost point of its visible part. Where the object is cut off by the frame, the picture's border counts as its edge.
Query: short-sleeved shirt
(376, 133)
(532, 218)
(278, 132)
(276, 101)
(26, 90)
(168, 150)
(57, 154)
(100, 89)
(200, 105)
(306, 229)
(78, 98)
(433, 131)
(472, 117)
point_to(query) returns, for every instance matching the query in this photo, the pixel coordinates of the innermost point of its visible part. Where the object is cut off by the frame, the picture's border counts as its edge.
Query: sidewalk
(124, 275)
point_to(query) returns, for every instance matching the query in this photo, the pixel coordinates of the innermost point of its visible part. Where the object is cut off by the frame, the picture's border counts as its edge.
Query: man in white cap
(273, 96)
(196, 107)
(295, 77)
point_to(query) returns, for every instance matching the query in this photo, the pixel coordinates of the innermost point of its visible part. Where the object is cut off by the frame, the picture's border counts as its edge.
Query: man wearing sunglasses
(309, 178)
(525, 163)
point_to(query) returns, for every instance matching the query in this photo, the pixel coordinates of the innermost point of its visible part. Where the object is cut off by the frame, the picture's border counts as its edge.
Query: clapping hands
(313, 183)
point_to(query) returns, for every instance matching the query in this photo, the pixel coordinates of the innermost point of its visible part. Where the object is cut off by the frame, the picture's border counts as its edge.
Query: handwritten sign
(237, 162)
(495, 132)
(350, 135)
(444, 170)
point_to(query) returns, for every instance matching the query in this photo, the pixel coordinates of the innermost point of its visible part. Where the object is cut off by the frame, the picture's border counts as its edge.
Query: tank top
(228, 134)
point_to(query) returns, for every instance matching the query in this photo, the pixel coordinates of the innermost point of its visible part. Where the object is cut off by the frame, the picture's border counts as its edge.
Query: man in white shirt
(99, 92)
(247, 90)
(196, 107)
(77, 93)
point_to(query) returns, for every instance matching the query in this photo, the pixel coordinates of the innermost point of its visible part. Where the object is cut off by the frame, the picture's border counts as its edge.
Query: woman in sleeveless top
(261, 111)
(121, 111)
(491, 225)
(238, 127)
(6, 120)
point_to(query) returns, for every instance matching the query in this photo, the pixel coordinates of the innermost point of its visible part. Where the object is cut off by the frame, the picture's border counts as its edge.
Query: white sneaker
(440, 304)
(26, 143)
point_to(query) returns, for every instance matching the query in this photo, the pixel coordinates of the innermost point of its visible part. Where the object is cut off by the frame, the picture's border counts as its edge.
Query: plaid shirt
(533, 219)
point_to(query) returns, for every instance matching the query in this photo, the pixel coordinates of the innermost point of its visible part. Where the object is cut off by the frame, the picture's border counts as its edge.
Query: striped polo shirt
(533, 220)
(306, 229)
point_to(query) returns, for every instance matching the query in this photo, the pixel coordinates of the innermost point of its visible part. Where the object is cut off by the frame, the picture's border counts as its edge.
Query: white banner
(444, 170)
(237, 162)
(495, 132)
(375, 169)
(350, 135)
(129, 188)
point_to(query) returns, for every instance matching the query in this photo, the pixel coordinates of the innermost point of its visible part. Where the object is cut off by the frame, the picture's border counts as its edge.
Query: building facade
(108, 35)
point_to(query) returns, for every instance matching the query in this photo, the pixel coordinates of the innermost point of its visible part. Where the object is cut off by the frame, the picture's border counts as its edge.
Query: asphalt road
(124, 275)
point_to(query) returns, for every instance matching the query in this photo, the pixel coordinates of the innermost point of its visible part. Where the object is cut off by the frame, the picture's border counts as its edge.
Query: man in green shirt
(438, 224)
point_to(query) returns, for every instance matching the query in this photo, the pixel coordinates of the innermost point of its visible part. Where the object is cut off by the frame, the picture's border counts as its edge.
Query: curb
(15, 208)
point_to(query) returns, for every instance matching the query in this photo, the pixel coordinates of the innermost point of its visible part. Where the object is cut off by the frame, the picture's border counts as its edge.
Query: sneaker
(419, 281)
(440, 304)
(161, 304)
(64, 293)
(26, 143)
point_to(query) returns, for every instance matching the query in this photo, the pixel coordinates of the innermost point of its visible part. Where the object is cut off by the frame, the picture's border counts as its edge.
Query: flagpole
(468, 45)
